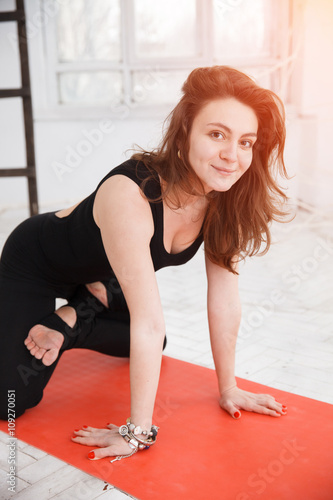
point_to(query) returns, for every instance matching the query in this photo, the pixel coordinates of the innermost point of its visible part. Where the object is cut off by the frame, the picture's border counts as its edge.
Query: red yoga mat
(201, 453)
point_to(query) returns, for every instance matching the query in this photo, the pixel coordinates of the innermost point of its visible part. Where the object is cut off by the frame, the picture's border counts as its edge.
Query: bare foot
(44, 343)
(99, 291)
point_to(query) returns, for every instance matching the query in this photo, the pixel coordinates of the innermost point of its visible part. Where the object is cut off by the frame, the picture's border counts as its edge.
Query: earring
(178, 154)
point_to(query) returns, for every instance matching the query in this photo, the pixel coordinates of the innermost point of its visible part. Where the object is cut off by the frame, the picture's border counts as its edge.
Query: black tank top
(73, 245)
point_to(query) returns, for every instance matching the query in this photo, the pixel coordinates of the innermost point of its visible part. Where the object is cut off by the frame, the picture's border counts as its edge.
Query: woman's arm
(126, 224)
(224, 314)
(125, 220)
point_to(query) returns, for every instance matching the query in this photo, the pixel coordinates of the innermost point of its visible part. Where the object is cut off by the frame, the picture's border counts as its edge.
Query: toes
(50, 357)
(40, 353)
(30, 344)
(44, 343)
(33, 350)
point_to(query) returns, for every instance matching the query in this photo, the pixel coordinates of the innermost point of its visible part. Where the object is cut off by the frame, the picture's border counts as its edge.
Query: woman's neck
(180, 200)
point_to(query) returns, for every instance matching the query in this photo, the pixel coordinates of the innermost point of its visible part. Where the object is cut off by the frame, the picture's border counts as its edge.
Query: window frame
(129, 63)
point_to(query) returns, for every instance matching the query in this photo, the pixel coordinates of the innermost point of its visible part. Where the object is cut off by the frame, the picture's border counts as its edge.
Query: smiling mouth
(223, 171)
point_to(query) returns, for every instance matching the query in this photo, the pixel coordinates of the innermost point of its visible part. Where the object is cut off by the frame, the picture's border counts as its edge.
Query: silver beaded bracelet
(130, 433)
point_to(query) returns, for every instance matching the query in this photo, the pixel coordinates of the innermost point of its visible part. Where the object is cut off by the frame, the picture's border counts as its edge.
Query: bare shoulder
(118, 199)
(126, 224)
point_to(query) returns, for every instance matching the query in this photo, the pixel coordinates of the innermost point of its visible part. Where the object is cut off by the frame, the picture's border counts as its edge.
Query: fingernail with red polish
(236, 414)
(91, 455)
(108, 423)
(85, 426)
(76, 430)
(285, 407)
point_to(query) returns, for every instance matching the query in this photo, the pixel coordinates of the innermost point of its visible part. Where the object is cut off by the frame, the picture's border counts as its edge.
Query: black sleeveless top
(73, 245)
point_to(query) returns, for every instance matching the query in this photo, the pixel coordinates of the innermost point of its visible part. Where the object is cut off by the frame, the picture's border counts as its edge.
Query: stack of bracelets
(130, 433)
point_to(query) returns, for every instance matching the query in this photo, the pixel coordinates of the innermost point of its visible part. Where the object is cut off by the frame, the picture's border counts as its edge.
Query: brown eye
(247, 144)
(217, 135)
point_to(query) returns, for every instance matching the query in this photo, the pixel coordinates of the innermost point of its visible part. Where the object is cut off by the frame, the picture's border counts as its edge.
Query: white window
(107, 53)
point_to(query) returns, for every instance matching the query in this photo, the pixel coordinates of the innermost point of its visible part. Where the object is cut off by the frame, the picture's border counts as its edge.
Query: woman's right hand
(108, 442)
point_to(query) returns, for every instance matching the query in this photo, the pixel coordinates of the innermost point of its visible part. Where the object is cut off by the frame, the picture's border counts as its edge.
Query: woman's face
(221, 143)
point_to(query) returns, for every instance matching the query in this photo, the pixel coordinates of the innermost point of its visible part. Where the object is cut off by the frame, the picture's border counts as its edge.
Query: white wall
(312, 93)
(86, 153)
(79, 154)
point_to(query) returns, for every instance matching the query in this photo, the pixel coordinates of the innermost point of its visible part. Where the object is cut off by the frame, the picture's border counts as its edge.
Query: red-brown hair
(237, 221)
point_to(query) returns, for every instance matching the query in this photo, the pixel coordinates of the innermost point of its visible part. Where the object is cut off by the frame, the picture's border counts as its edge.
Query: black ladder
(29, 171)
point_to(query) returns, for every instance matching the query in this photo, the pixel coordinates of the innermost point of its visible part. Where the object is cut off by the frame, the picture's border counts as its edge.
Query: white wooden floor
(285, 341)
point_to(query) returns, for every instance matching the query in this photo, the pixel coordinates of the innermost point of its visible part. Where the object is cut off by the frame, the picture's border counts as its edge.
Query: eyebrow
(227, 129)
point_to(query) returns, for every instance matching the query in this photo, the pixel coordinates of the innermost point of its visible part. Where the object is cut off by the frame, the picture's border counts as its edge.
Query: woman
(211, 180)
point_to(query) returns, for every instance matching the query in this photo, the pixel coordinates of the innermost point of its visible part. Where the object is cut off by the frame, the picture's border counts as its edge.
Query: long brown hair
(237, 221)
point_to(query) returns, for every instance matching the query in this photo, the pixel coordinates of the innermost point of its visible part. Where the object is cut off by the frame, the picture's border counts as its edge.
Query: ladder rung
(29, 170)
(23, 92)
(14, 15)
(17, 172)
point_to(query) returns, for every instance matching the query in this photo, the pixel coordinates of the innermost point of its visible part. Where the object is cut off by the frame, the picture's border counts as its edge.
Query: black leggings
(27, 300)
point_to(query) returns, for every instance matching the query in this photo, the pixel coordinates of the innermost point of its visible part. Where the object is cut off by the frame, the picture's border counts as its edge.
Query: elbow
(156, 329)
(151, 329)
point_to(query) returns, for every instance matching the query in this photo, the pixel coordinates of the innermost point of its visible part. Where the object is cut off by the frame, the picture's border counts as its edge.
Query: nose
(228, 151)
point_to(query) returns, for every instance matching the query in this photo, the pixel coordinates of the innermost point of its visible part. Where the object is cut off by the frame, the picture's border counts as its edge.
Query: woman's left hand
(233, 400)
